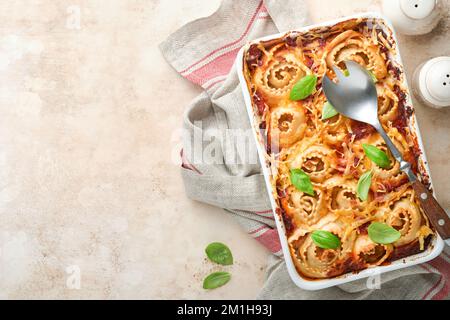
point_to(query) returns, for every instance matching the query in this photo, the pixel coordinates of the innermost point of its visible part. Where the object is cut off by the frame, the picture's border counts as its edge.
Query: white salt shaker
(431, 82)
(413, 17)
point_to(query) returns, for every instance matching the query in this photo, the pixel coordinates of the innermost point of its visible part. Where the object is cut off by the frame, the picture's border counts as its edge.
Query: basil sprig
(303, 88)
(328, 111)
(216, 279)
(325, 239)
(382, 233)
(362, 189)
(219, 253)
(376, 155)
(302, 181)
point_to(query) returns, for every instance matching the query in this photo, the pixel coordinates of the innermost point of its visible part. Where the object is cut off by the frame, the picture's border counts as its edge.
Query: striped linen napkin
(217, 172)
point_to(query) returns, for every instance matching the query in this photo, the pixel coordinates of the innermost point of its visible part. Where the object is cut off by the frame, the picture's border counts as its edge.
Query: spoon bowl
(355, 96)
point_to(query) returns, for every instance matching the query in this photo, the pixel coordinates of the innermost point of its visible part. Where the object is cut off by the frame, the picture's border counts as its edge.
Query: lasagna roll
(351, 45)
(287, 125)
(316, 160)
(405, 217)
(369, 252)
(315, 262)
(387, 104)
(304, 208)
(276, 77)
(335, 130)
(392, 176)
(342, 196)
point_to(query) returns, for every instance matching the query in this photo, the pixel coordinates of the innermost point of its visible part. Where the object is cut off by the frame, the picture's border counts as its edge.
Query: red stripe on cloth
(264, 9)
(270, 240)
(221, 66)
(266, 211)
(247, 29)
(214, 83)
(263, 214)
(443, 293)
(258, 229)
(424, 266)
(444, 268)
(185, 163)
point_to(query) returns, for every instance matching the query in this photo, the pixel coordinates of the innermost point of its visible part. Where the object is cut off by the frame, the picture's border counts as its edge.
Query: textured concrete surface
(91, 200)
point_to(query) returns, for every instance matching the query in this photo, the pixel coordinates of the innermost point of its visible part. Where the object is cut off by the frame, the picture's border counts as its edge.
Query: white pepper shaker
(431, 82)
(413, 17)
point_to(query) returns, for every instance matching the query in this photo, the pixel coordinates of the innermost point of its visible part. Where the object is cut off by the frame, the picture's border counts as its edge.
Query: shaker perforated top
(417, 9)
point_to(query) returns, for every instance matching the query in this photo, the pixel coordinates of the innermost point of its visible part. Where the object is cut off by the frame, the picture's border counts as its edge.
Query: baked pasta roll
(351, 45)
(287, 125)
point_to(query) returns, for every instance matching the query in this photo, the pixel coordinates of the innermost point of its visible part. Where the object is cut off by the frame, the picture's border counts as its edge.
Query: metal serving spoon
(355, 96)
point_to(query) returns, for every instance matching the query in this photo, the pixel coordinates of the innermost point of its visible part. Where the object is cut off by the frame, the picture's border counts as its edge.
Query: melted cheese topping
(330, 151)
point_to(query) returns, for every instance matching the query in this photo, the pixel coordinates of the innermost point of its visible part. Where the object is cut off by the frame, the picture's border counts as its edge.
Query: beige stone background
(89, 113)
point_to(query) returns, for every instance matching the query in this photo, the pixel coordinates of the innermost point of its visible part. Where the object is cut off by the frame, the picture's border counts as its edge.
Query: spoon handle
(435, 213)
(438, 217)
(395, 153)
(404, 165)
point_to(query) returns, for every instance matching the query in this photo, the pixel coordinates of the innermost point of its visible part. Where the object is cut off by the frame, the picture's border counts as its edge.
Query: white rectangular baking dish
(437, 244)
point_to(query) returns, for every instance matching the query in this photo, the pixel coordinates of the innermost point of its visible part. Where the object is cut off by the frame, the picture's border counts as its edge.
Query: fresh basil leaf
(325, 239)
(328, 111)
(382, 233)
(219, 253)
(372, 75)
(363, 186)
(216, 279)
(302, 181)
(376, 155)
(303, 88)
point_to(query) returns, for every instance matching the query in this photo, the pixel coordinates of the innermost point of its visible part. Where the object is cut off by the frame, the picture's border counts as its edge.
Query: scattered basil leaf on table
(376, 155)
(382, 233)
(219, 253)
(303, 88)
(302, 181)
(325, 239)
(328, 111)
(216, 279)
(362, 189)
